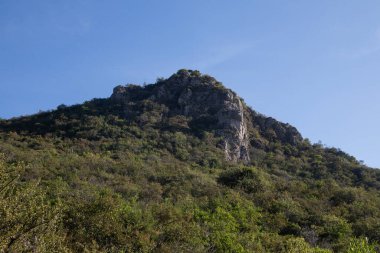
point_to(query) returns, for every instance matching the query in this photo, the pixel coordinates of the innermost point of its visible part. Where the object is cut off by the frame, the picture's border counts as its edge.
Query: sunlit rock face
(209, 106)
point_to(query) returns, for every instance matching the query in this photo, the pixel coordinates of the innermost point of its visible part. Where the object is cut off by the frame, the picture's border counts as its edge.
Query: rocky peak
(202, 98)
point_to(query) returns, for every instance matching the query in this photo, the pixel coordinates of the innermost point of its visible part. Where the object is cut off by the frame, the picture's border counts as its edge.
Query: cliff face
(202, 98)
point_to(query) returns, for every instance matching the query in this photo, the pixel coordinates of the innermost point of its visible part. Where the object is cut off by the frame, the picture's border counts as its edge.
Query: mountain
(208, 106)
(181, 165)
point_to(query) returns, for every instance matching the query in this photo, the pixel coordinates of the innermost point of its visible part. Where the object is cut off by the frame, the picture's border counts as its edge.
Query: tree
(28, 220)
(361, 245)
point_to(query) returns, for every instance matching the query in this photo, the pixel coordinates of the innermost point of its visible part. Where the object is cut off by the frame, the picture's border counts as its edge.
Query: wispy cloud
(377, 34)
(51, 18)
(222, 53)
(373, 47)
(364, 51)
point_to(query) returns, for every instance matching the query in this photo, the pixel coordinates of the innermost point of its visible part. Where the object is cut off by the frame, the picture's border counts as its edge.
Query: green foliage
(361, 246)
(298, 245)
(28, 220)
(105, 222)
(228, 225)
(137, 177)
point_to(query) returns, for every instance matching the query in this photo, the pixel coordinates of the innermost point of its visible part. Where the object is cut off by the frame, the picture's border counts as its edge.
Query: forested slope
(182, 165)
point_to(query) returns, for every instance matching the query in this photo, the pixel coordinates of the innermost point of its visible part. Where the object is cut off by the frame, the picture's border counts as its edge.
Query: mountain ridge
(203, 98)
(194, 94)
(181, 165)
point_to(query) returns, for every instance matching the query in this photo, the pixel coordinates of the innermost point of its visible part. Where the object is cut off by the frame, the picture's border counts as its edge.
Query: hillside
(181, 165)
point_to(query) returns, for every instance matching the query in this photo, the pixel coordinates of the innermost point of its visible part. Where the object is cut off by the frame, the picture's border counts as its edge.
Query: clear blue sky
(313, 64)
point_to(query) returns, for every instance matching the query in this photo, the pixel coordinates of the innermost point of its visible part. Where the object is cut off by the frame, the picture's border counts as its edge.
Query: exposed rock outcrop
(201, 98)
(283, 132)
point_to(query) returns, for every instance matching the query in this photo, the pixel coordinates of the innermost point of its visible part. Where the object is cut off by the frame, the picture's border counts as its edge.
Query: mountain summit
(205, 101)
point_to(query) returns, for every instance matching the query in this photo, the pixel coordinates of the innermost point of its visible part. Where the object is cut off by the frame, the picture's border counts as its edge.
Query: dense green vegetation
(87, 179)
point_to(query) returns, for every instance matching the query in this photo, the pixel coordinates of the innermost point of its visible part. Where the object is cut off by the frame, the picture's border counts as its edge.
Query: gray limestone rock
(201, 97)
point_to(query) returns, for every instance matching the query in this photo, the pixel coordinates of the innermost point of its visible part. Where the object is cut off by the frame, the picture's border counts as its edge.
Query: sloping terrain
(182, 165)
